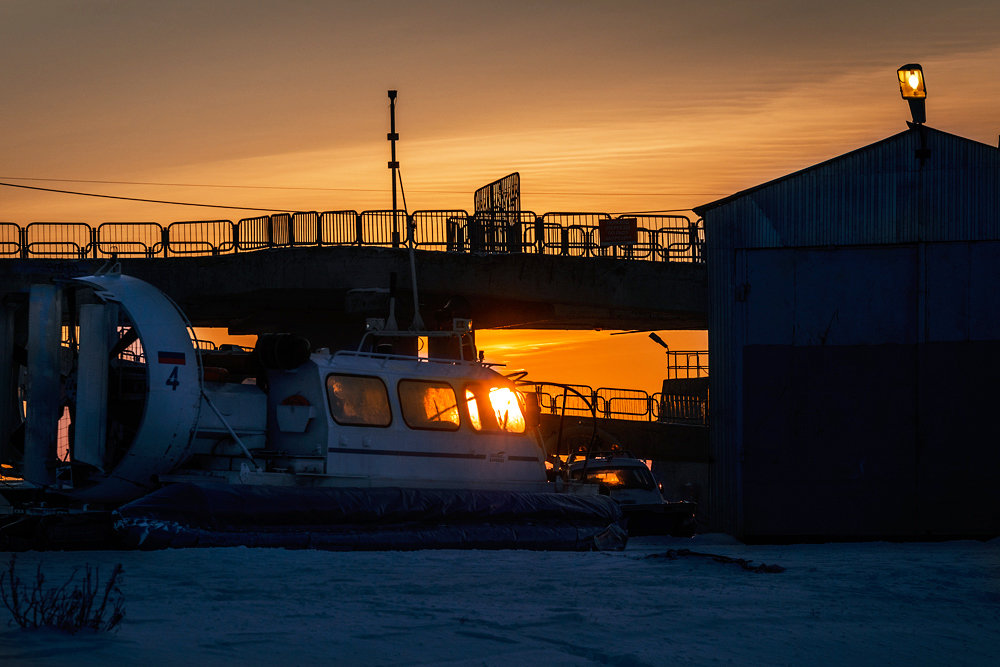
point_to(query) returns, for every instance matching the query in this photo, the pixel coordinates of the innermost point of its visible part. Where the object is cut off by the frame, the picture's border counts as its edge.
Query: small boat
(629, 482)
(383, 446)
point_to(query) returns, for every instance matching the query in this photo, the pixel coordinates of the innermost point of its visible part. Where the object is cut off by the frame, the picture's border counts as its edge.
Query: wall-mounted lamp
(913, 90)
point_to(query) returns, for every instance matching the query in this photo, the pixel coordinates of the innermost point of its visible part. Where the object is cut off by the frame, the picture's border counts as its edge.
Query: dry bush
(62, 607)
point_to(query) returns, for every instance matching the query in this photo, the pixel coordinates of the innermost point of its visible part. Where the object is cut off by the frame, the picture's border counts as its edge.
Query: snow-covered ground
(874, 603)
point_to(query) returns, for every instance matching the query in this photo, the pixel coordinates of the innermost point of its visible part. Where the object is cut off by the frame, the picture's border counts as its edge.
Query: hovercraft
(115, 412)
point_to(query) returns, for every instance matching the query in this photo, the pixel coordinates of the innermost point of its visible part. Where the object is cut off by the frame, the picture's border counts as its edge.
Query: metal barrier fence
(659, 238)
(616, 403)
(684, 408)
(608, 402)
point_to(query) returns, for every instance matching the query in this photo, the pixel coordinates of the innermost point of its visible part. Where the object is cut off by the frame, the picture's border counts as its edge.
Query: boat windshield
(358, 400)
(429, 405)
(625, 478)
(504, 411)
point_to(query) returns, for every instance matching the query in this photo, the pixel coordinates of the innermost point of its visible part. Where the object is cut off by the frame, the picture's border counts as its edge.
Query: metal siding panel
(946, 302)
(880, 194)
(984, 294)
(770, 297)
(855, 296)
(725, 346)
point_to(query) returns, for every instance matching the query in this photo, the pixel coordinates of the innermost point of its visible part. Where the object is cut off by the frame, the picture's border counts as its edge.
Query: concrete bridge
(318, 290)
(317, 273)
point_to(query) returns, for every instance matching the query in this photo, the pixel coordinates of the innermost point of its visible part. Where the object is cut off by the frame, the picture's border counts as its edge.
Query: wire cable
(190, 185)
(148, 201)
(319, 189)
(662, 210)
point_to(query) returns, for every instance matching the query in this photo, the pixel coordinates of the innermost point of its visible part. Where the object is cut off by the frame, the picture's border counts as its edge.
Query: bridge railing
(129, 239)
(684, 408)
(57, 239)
(660, 238)
(607, 402)
(339, 228)
(618, 403)
(200, 237)
(687, 364)
(10, 239)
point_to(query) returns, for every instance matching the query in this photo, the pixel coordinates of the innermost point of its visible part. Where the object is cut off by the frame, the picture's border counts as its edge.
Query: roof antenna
(393, 136)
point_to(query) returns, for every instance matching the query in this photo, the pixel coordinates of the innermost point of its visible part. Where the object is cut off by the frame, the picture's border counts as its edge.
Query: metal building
(854, 330)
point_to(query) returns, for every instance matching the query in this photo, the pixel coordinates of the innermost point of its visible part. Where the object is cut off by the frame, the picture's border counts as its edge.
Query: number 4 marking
(172, 380)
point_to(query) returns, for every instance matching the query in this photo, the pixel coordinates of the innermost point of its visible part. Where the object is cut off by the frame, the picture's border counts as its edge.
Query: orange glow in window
(470, 400)
(609, 477)
(439, 405)
(507, 409)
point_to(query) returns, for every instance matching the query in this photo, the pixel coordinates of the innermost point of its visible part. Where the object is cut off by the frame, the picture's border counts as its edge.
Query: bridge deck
(313, 290)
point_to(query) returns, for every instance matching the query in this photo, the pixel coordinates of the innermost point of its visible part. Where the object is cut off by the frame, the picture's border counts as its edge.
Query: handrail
(617, 403)
(683, 364)
(660, 238)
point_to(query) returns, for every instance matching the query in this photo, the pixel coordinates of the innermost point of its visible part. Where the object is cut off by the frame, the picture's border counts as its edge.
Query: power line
(319, 189)
(189, 185)
(239, 208)
(661, 210)
(148, 201)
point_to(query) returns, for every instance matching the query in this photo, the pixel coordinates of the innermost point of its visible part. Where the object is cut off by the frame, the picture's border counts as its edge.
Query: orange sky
(601, 106)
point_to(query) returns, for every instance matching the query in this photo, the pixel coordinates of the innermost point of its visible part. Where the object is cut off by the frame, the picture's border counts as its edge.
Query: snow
(868, 603)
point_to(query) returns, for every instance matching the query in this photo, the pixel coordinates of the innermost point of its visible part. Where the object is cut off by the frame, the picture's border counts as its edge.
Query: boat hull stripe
(431, 455)
(400, 452)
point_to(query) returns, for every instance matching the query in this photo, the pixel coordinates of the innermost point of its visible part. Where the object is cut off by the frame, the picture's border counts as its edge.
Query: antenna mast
(393, 136)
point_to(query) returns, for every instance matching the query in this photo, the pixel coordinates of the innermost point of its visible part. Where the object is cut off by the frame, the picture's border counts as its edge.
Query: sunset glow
(507, 410)
(614, 107)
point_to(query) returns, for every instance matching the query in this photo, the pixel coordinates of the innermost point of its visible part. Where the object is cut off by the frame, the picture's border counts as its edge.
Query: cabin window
(473, 408)
(507, 409)
(429, 405)
(628, 478)
(494, 409)
(358, 400)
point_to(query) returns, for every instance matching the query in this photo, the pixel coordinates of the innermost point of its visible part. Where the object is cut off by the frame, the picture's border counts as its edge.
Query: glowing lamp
(913, 90)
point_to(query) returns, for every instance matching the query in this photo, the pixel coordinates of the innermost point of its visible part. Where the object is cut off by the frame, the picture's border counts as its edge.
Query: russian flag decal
(171, 358)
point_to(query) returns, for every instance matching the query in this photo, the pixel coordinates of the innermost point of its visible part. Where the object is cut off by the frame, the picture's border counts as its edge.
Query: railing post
(514, 235)
(236, 236)
(22, 240)
(475, 234)
(291, 230)
(540, 235)
(693, 241)
(93, 241)
(165, 239)
(358, 229)
(564, 240)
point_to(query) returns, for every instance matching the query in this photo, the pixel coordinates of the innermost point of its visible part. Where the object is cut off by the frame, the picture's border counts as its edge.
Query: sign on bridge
(496, 226)
(502, 196)
(618, 231)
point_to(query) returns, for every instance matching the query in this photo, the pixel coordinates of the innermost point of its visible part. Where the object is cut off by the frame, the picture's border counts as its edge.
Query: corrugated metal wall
(875, 195)
(879, 195)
